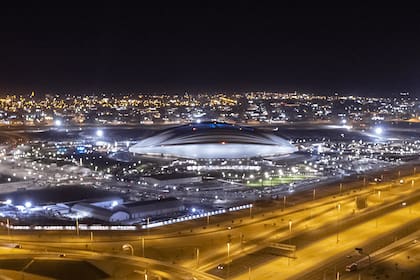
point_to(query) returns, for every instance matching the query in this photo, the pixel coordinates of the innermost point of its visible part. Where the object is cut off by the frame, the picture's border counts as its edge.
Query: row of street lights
(290, 224)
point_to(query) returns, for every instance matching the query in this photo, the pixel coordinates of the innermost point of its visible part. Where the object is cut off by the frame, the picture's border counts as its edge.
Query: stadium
(212, 140)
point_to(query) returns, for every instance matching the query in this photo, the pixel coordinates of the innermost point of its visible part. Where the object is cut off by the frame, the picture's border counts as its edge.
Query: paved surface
(87, 265)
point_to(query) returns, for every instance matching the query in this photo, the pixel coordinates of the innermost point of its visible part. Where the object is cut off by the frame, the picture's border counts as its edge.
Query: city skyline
(358, 50)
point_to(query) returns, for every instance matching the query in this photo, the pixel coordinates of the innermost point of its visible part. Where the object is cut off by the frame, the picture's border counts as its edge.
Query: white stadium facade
(213, 140)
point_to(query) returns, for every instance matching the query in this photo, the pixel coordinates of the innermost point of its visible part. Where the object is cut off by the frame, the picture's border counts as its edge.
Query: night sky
(361, 50)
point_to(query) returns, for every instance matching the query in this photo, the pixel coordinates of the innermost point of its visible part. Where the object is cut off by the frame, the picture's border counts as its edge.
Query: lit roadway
(326, 252)
(117, 266)
(325, 231)
(404, 252)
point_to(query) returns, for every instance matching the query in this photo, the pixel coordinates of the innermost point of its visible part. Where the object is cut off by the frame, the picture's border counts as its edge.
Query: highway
(311, 223)
(115, 266)
(319, 250)
(405, 244)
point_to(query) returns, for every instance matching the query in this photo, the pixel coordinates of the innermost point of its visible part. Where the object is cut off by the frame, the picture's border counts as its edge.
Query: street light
(8, 227)
(290, 239)
(290, 231)
(284, 202)
(338, 221)
(142, 246)
(228, 251)
(127, 246)
(99, 133)
(148, 222)
(250, 211)
(228, 257)
(77, 226)
(379, 130)
(197, 252)
(142, 273)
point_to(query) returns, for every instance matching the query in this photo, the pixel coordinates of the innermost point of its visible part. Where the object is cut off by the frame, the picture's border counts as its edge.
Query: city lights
(99, 133)
(223, 141)
(379, 130)
(58, 122)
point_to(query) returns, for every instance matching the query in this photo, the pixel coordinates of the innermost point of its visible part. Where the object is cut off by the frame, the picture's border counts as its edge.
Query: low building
(152, 208)
(172, 179)
(129, 211)
(100, 213)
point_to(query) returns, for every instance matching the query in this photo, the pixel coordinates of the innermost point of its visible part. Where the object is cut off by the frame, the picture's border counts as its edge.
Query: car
(351, 267)
(17, 246)
(221, 266)
(62, 255)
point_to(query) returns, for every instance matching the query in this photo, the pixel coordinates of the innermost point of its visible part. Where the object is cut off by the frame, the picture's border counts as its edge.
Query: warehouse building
(129, 211)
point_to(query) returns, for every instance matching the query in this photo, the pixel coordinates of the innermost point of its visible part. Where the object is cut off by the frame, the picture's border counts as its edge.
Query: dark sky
(363, 50)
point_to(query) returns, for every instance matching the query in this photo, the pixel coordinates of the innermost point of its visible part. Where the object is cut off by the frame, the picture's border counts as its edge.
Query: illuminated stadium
(212, 140)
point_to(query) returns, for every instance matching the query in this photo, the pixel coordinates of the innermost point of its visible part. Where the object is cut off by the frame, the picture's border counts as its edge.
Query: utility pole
(290, 240)
(290, 231)
(197, 252)
(8, 227)
(338, 221)
(77, 226)
(228, 256)
(142, 246)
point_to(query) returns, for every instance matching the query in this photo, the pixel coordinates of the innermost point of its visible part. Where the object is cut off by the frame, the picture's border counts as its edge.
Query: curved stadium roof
(213, 140)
